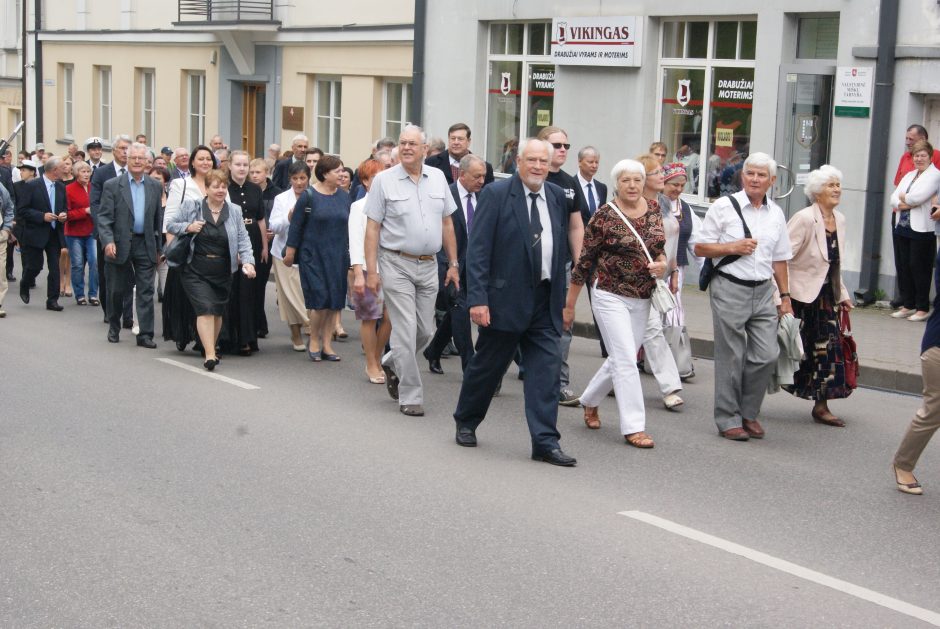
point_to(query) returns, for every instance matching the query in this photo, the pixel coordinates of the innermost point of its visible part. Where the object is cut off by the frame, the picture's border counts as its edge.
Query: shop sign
(505, 83)
(853, 92)
(597, 41)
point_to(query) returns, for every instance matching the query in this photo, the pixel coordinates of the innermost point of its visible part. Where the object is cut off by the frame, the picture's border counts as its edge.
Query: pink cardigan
(810, 264)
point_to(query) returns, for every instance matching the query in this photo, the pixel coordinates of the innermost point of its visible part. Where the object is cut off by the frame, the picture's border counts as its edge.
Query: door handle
(792, 183)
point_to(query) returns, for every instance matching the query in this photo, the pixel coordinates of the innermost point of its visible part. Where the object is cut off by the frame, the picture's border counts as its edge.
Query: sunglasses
(559, 145)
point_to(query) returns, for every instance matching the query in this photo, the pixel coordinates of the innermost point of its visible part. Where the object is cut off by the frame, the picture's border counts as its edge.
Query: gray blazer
(116, 217)
(239, 244)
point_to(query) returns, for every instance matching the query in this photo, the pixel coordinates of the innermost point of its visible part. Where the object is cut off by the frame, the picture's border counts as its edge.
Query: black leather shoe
(146, 342)
(466, 437)
(24, 292)
(11, 278)
(391, 382)
(555, 457)
(113, 336)
(434, 366)
(54, 306)
(412, 410)
(128, 325)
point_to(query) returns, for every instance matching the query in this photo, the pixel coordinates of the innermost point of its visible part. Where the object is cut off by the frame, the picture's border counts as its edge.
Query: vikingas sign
(596, 41)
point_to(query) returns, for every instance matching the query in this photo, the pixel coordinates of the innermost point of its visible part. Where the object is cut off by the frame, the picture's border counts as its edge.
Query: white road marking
(209, 374)
(845, 587)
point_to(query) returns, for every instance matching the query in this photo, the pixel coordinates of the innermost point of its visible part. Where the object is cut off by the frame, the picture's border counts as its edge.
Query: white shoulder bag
(662, 298)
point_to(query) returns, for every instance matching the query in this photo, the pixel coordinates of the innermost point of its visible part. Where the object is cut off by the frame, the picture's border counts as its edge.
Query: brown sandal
(591, 417)
(828, 419)
(639, 440)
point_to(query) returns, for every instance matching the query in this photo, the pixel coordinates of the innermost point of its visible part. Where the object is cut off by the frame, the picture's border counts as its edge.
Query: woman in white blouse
(915, 233)
(290, 295)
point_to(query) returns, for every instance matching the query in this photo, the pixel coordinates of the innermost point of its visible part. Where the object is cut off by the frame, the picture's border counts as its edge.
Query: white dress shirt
(548, 241)
(280, 223)
(463, 194)
(584, 189)
(768, 227)
(357, 232)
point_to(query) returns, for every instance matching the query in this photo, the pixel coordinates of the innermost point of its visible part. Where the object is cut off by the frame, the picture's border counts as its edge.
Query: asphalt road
(135, 493)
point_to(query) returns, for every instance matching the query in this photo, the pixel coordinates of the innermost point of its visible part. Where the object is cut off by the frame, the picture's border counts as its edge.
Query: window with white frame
(147, 85)
(195, 108)
(103, 79)
(706, 95)
(520, 88)
(67, 73)
(328, 114)
(397, 104)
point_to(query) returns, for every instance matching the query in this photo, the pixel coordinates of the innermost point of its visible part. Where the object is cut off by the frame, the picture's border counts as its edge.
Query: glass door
(804, 130)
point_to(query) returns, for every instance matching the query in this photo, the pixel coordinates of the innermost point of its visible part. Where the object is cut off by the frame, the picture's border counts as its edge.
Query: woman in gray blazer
(219, 246)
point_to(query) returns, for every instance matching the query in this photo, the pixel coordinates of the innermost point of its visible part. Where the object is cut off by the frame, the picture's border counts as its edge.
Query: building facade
(11, 68)
(256, 73)
(713, 83)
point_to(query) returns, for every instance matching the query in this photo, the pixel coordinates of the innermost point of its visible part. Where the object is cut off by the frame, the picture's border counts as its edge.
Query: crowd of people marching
(424, 244)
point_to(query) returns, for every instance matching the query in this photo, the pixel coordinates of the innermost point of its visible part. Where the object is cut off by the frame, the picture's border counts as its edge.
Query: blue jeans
(82, 252)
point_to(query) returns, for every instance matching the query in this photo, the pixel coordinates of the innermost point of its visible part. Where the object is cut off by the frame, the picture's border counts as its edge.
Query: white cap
(93, 140)
(28, 163)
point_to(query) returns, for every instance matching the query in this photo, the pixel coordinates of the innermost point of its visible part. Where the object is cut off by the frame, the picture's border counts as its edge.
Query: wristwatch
(454, 264)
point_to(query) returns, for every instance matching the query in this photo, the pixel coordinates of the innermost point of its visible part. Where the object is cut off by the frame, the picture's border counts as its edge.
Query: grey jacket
(239, 244)
(6, 209)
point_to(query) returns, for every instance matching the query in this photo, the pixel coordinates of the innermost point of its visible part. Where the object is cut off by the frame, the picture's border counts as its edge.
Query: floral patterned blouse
(612, 254)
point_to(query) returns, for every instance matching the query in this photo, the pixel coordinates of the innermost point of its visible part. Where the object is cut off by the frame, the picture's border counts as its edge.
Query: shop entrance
(804, 128)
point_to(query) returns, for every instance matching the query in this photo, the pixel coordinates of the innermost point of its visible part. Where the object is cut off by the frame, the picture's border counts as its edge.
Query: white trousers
(622, 321)
(658, 355)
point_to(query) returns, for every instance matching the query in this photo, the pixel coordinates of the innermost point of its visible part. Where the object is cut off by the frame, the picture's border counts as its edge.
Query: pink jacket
(810, 263)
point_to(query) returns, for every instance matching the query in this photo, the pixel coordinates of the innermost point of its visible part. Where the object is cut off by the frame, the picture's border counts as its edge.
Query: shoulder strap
(630, 225)
(737, 208)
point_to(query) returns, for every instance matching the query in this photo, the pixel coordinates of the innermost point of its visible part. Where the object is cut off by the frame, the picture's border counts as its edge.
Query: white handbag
(662, 298)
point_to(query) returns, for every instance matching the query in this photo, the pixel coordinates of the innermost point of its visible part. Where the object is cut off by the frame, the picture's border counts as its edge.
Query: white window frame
(105, 107)
(68, 103)
(198, 116)
(334, 115)
(406, 95)
(148, 110)
(707, 63)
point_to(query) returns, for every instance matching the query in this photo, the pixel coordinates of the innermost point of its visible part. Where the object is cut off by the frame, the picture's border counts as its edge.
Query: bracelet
(782, 295)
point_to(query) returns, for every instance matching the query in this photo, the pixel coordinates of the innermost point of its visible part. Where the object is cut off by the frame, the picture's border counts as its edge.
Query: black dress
(240, 327)
(263, 269)
(207, 280)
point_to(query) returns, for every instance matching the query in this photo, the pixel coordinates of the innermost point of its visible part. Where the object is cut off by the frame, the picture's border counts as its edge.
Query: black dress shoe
(412, 410)
(391, 382)
(128, 325)
(113, 336)
(143, 341)
(466, 437)
(555, 457)
(54, 306)
(24, 293)
(434, 366)
(11, 278)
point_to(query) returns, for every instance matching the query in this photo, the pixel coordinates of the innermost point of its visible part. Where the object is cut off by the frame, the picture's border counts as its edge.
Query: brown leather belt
(410, 256)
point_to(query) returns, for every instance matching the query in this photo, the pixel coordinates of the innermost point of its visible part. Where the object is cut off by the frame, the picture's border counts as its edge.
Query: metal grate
(225, 10)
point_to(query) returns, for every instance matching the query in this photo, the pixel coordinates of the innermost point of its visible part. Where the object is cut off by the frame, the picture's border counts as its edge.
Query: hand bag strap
(632, 229)
(747, 234)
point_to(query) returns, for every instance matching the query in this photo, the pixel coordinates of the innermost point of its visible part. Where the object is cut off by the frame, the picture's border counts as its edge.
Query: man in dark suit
(298, 147)
(516, 290)
(180, 167)
(595, 192)
(103, 174)
(458, 145)
(456, 321)
(40, 206)
(129, 232)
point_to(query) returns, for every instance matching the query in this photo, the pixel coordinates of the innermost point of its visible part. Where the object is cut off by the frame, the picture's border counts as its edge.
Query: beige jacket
(810, 263)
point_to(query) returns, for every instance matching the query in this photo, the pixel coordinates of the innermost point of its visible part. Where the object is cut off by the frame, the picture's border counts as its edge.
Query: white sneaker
(919, 317)
(672, 401)
(902, 313)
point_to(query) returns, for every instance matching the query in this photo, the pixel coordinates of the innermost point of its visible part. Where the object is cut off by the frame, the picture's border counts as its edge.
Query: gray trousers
(745, 324)
(410, 288)
(138, 270)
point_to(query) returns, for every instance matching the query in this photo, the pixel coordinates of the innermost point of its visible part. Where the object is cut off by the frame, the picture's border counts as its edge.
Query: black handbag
(709, 268)
(177, 252)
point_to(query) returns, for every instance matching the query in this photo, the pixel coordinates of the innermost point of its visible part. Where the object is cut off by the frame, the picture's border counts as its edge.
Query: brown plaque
(292, 118)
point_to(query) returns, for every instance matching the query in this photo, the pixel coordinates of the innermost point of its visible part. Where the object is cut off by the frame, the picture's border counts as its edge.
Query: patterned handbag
(849, 349)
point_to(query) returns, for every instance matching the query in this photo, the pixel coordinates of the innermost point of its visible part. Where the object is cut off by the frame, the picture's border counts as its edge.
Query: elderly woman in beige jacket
(818, 293)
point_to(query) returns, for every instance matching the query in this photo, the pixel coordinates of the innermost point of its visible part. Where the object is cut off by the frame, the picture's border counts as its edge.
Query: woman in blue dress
(318, 240)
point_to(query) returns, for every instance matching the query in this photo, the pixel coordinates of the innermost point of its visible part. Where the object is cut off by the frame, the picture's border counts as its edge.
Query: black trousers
(914, 260)
(9, 262)
(32, 265)
(541, 358)
(455, 324)
(128, 305)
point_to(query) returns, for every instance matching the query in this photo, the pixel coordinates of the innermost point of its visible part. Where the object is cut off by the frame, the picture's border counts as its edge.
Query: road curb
(881, 378)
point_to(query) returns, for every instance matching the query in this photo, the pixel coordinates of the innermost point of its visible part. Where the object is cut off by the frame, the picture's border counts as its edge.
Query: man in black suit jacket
(129, 232)
(458, 145)
(40, 207)
(595, 191)
(456, 321)
(103, 174)
(298, 146)
(516, 287)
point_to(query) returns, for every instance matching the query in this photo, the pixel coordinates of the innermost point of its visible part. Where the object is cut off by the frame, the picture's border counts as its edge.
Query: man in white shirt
(742, 295)
(595, 192)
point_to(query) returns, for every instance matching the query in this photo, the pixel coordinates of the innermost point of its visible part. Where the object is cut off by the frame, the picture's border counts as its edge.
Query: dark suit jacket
(116, 218)
(460, 231)
(32, 203)
(601, 192)
(280, 177)
(102, 174)
(441, 161)
(499, 270)
(6, 179)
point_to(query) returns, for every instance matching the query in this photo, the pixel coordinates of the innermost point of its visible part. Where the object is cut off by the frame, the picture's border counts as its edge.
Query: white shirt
(280, 223)
(584, 188)
(919, 195)
(547, 241)
(357, 232)
(462, 193)
(768, 226)
(180, 190)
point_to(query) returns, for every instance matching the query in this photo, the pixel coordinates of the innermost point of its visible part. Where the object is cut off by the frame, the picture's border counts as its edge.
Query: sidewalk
(888, 349)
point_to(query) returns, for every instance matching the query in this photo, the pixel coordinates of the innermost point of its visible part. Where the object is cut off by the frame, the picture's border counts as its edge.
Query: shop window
(520, 89)
(706, 101)
(818, 38)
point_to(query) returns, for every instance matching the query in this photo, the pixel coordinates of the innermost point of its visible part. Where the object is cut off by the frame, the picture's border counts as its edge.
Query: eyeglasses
(559, 145)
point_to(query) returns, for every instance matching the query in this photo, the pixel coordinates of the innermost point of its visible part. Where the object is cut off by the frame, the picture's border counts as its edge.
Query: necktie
(592, 204)
(122, 172)
(535, 229)
(469, 211)
(453, 172)
(51, 191)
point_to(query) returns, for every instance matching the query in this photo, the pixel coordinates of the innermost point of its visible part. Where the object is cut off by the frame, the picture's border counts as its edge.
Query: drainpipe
(417, 61)
(878, 152)
(24, 44)
(38, 70)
